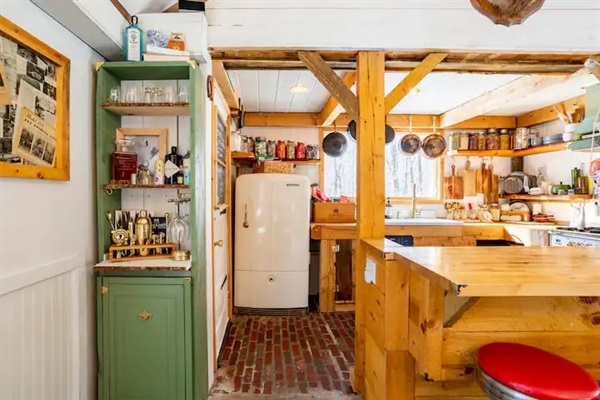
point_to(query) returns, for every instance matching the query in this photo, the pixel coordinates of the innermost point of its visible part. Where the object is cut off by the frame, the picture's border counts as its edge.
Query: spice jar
(472, 141)
(522, 138)
(481, 141)
(504, 139)
(463, 142)
(260, 148)
(291, 150)
(312, 152)
(280, 150)
(250, 144)
(453, 140)
(300, 151)
(492, 139)
(271, 148)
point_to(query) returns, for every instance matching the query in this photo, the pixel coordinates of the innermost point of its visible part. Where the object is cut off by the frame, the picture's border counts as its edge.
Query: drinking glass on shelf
(148, 95)
(169, 94)
(182, 96)
(132, 95)
(115, 94)
(156, 95)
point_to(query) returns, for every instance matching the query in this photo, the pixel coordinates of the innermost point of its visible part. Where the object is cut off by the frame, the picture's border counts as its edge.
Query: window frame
(440, 164)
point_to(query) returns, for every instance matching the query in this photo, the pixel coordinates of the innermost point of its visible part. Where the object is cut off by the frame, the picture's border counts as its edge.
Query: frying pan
(434, 146)
(389, 132)
(410, 144)
(335, 144)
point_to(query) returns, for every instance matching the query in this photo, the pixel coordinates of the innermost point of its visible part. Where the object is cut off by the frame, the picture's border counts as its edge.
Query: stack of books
(155, 53)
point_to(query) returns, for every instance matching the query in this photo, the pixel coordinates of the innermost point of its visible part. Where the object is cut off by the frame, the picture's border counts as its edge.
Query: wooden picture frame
(34, 131)
(160, 143)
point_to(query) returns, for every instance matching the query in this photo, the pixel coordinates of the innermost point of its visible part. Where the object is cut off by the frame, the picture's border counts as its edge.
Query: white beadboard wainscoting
(44, 322)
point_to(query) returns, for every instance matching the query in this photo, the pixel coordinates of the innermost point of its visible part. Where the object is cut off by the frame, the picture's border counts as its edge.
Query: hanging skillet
(410, 144)
(335, 144)
(389, 132)
(434, 145)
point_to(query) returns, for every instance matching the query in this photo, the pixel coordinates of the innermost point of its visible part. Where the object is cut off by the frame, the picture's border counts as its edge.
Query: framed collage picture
(34, 107)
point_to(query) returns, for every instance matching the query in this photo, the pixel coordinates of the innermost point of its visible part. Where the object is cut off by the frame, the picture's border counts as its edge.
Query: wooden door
(221, 277)
(146, 339)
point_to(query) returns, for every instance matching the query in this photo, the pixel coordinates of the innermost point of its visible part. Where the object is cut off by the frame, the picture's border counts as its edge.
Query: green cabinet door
(146, 351)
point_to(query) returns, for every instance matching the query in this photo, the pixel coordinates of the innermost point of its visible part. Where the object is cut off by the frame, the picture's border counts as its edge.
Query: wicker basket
(274, 167)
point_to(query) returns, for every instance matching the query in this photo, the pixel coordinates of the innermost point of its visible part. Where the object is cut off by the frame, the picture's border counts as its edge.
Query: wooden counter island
(427, 310)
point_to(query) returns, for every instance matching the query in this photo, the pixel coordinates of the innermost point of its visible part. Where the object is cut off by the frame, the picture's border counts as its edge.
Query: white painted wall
(561, 25)
(48, 246)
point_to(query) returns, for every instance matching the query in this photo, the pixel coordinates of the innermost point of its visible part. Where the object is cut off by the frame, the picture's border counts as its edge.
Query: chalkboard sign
(221, 182)
(221, 139)
(159, 225)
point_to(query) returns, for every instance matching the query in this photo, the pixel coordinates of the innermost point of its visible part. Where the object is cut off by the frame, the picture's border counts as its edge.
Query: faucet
(413, 209)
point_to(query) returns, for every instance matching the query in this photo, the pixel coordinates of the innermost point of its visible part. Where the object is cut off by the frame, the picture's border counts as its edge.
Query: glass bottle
(172, 166)
(133, 41)
(186, 168)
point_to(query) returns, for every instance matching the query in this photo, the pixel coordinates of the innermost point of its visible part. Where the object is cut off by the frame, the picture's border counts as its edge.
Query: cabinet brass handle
(218, 243)
(145, 315)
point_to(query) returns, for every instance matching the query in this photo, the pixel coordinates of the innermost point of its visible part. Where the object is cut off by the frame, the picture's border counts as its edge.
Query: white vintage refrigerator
(271, 257)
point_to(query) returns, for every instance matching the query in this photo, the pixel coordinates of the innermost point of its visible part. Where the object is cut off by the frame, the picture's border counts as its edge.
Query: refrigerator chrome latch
(336, 248)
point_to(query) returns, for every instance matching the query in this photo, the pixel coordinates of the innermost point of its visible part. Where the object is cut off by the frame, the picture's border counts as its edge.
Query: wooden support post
(412, 80)
(327, 276)
(371, 184)
(333, 83)
(229, 94)
(122, 10)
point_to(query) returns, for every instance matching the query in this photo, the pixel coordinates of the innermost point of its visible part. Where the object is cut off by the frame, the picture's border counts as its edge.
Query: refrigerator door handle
(246, 224)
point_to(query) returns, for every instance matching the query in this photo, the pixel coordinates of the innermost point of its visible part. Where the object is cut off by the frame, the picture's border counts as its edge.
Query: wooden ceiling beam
(122, 10)
(503, 95)
(411, 80)
(298, 120)
(328, 78)
(229, 93)
(332, 108)
(548, 114)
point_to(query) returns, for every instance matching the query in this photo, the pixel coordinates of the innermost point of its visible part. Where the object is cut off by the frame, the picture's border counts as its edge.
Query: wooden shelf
(243, 158)
(248, 158)
(160, 109)
(549, 148)
(118, 186)
(548, 197)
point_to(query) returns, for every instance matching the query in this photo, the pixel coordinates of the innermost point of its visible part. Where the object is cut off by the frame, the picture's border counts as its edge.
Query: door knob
(218, 243)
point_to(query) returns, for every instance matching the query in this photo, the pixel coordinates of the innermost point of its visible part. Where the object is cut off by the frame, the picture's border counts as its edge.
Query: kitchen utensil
(453, 186)
(390, 134)
(495, 186)
(486, 185)
(469, 180)
(559, 189)
(578, 216)
(410, 144)
(434, 146)
(335, 144)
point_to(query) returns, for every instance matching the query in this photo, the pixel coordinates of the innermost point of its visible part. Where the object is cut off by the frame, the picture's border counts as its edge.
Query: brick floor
(286, 356)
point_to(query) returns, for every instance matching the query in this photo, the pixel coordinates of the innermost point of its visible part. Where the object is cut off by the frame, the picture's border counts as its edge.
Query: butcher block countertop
(503, 271)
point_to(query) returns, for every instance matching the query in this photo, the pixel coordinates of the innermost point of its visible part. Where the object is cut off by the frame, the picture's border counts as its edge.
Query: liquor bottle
(388, 209)
(133, 41)
(186, 168)
(172, 162)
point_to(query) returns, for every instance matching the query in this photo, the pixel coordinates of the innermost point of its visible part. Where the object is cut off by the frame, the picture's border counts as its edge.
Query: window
(400, 173)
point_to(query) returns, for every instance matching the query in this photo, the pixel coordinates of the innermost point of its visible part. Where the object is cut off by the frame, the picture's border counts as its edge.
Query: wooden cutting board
(479, 178)
(453, 186)
(487, 185)
(469, 180)
(495, 195)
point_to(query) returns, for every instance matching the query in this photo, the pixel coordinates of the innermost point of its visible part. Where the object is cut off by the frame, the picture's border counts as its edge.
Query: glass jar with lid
(522, 138)
(463, 141)
(291, 150)
(271, 148)
(481, 140)
(453, 140)
(492, 139)
(472, 141)
(260, 148)
(504, 139)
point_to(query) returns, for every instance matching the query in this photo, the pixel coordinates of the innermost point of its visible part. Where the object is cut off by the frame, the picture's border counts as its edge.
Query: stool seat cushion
(537, 373)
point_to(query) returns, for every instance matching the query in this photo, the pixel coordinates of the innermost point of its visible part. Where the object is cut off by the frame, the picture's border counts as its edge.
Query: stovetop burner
(584, 230)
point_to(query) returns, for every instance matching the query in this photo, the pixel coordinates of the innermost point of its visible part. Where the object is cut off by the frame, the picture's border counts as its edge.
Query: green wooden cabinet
(145, 341)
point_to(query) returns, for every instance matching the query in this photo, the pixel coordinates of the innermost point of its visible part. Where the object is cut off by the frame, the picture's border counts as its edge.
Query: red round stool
(519, 372)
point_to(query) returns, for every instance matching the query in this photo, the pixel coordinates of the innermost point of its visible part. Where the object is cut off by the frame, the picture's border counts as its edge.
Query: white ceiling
(269, 91)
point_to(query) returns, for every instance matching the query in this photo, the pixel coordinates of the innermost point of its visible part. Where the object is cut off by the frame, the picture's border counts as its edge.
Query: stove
(565, 236)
